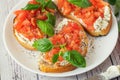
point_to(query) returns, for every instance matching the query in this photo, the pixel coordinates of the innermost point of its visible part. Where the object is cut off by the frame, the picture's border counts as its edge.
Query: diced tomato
(66, 29)
(60, 3)
(60, 58)
(33, 21)
(41, 16)
(26, 22)
(67, 8)
(97, 14)
(68, 47)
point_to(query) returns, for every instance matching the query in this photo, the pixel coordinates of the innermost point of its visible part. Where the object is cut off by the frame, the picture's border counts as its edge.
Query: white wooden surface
(10, 70)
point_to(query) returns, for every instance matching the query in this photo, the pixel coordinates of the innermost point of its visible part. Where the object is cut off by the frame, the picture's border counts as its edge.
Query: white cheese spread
(42, 59)
(61, 25)
(102, 23)
(24, 39)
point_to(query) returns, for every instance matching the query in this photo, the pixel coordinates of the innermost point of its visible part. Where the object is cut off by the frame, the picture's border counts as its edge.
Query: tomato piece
(33, 21)
(26, 22)
(74, 26)
(97, 14)
(41, 16)
(60, 3)
(67, 8)
(60, 58)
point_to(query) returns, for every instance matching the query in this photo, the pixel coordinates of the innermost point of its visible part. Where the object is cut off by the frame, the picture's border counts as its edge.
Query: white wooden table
(10, 70)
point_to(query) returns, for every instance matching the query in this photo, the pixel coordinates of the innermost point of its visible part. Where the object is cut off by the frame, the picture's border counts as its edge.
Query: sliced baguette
(93, 33)
(46, 66)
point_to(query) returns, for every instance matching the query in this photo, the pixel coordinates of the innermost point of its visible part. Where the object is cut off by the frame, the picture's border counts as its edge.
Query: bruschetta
(70, 38)
(25, 27)
(96, 17)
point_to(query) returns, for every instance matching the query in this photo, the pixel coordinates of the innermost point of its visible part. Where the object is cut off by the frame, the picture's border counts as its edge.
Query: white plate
(103, 47)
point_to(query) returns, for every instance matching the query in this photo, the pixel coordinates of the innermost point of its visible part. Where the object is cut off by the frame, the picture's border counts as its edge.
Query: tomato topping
(25, 21)
(70, 36)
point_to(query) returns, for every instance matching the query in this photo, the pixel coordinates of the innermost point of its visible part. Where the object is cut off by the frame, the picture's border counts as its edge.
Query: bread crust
(52, 68)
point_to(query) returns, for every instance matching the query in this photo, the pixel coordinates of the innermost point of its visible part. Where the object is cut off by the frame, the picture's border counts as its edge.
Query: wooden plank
(56, 78)
(10, 70)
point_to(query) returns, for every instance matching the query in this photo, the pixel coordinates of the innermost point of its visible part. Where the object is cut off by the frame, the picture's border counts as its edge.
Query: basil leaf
(45, 27)
(80, 3)
(31, 7)
(51, 5)
(75, 58)
(112, 2)
(55, 58)
(51, 19)
(43, 3)
(48, 4)
(43, 45)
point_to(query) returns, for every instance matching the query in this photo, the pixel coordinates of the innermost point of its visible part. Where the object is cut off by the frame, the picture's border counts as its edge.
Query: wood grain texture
(10, 70)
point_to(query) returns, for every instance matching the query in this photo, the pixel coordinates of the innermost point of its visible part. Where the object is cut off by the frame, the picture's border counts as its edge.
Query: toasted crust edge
(45, 67)
(25, 45)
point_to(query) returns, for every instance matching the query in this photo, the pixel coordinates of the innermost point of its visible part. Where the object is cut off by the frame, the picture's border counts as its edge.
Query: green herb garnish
(80, 3)
(55, 58)
(46, 27)
(41, 4)
(75, 58)
(43, 45)
(31, 7)
(51, 19)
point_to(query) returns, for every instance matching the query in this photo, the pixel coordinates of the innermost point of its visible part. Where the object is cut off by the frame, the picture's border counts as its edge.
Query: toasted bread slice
(102, 31)
(46, 66)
